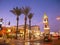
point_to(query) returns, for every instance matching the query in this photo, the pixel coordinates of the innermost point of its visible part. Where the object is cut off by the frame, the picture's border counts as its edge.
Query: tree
(30, 17)
(17, 12)
(26, 11)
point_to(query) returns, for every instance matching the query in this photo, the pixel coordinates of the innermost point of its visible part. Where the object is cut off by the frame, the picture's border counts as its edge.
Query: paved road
(54, 42)
(18, 42)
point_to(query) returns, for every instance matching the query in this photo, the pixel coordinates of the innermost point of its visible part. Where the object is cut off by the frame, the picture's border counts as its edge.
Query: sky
(38, 8)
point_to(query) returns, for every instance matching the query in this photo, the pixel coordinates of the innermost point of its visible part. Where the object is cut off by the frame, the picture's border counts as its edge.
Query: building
(35, 31)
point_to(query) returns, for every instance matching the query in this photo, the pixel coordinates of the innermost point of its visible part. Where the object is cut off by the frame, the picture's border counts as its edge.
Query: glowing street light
(9, 30)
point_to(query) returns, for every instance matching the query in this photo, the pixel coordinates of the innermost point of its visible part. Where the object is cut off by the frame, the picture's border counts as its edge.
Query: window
(45, 26)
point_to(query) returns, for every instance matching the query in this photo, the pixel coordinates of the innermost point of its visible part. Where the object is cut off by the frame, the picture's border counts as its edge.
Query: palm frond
(30, 15)
(16, 11)
(12, 11)
(26, 10)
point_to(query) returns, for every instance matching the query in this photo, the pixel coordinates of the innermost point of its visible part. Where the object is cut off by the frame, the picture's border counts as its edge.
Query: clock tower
(46, 24)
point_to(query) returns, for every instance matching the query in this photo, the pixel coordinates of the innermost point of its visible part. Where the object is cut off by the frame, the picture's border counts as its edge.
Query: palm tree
(17, 12)
(30, 17)
(26, 10)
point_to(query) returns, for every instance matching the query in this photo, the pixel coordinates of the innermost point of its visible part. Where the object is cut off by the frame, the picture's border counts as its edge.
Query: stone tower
(46, 24)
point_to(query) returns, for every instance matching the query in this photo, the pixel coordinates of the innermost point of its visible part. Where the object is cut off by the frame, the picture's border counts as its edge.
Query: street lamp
(9, 30)
(1, 19)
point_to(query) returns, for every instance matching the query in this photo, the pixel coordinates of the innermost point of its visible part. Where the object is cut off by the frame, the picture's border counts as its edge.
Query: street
(18, 42)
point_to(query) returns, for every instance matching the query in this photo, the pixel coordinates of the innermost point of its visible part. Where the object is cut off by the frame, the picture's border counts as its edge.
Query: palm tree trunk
(29, 24)
(17, 27)
(29, 28)
(25, 27)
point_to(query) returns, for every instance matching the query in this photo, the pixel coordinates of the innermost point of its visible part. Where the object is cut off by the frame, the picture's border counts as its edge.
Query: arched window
(45, 26)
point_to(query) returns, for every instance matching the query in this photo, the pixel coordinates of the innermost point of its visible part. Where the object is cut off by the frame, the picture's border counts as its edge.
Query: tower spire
(45, 16)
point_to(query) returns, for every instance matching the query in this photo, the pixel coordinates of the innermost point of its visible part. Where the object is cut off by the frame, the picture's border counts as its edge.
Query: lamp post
(1, 19)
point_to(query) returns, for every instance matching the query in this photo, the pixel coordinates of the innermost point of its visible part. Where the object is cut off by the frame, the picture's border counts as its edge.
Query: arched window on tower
(45, 26)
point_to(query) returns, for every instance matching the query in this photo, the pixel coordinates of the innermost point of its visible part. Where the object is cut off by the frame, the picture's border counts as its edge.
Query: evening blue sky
(38, 7)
